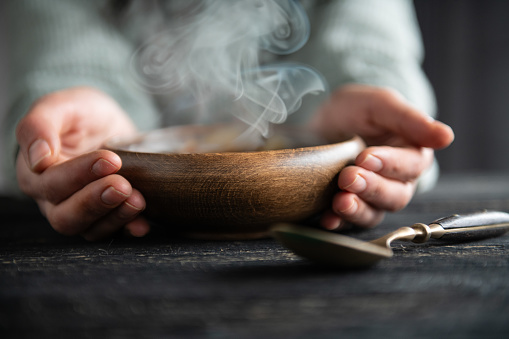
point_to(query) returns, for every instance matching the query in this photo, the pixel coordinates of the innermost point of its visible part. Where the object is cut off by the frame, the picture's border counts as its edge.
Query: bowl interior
(217, 138)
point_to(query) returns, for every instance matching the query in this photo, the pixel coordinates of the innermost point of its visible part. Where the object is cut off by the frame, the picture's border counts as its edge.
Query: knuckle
(20, 129)
(69, 223)
(25, 186)
(25, 124)
(403, 198)
(61, 224)
(369, 219)
(384, 96)
(27, 181)
(50, 192)
(47, 101)
(387, 196)
(384, 93)
(375, 192)
(375, 219)
(408, 167)
(396, 168)
(92, 211)
(396, 207)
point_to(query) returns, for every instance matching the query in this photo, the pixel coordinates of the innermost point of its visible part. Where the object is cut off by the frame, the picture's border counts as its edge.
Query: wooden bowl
(232, 194)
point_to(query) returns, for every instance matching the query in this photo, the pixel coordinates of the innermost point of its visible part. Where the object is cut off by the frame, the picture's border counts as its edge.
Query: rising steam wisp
(208, 54)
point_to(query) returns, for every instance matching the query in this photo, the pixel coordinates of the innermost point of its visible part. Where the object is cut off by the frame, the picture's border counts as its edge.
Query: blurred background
(3, 81)
(467, 61)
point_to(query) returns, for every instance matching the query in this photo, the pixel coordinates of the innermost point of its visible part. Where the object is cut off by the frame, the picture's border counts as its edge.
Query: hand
(60, 165)
(400, 142)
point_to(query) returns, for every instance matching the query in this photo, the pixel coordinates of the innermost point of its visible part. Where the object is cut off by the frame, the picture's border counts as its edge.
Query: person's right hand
(60, 164)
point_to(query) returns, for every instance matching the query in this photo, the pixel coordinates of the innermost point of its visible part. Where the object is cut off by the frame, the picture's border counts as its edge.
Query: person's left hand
(400, 142)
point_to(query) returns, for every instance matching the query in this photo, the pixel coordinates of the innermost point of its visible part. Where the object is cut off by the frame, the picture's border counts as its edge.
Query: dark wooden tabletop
(167, 287)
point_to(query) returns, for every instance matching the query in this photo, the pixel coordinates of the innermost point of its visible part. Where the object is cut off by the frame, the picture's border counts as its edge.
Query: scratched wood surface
(161, 287)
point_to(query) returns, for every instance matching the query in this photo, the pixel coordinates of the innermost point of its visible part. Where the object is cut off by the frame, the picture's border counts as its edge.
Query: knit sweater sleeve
(375, 43)
(57, 44)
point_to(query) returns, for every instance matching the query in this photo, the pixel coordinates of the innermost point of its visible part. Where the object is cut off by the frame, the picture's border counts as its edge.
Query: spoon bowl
(341, 251)
(329, 249)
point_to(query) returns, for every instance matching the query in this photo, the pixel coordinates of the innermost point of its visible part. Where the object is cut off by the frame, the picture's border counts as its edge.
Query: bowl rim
(120, 144)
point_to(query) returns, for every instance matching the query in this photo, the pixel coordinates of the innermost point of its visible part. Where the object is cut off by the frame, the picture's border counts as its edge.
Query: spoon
(338, 250)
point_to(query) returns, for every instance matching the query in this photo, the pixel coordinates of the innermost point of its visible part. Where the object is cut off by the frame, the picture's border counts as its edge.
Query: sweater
(57, 44)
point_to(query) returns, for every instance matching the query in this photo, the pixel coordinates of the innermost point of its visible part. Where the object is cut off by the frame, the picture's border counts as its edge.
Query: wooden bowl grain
(235, 195)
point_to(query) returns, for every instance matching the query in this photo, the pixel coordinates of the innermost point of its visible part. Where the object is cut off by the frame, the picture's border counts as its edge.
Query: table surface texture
(163, 286)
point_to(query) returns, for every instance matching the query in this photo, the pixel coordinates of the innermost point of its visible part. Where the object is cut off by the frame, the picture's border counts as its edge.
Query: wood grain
(237, 194)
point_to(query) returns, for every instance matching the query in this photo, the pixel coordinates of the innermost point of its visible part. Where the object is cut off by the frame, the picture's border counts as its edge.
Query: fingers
(124, 215)
(366, 198)
(375, 190)
(39, 132)
(84, 196)
(389, 111)
(76, 189)
(330, 220)
(379, 116)
(350, 208)
(403, 164)
(99, 209)
(139, 227)
(384, 176)
(38, 138)
(383, 180)
(60, 181)
(66, 123)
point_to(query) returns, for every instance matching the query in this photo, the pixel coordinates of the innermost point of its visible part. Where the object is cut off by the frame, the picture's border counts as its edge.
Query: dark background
(3, 80)
(467, 61)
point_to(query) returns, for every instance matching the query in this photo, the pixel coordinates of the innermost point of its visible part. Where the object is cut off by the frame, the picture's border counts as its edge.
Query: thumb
(38, 136)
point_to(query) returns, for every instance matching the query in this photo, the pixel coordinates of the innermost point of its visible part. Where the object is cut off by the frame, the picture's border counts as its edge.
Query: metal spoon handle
(471, 226)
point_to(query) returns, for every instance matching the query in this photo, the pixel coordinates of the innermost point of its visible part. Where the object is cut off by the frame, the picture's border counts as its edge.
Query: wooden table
(161, 287)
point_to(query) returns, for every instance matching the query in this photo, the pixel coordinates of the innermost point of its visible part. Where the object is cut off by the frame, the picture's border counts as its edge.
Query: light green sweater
(56, 44)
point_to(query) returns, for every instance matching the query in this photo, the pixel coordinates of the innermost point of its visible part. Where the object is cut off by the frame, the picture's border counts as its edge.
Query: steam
(209, 49)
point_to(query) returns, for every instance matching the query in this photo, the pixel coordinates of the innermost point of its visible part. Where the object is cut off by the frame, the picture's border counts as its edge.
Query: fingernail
(330, 221)
(138, 230)
(350, 209)
(128, 211)
(372, 163)
(38, 151)
(331, 226)
(111, 196)
(357, 186)
(103, 167)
